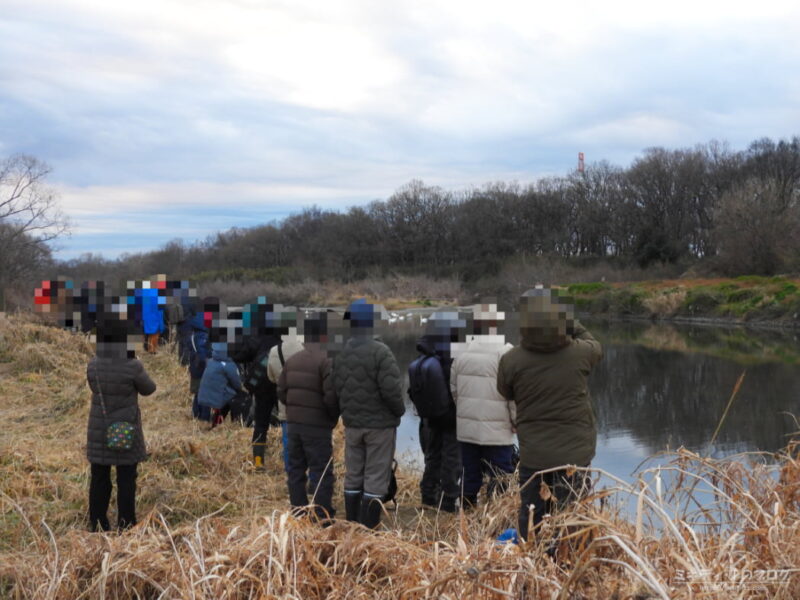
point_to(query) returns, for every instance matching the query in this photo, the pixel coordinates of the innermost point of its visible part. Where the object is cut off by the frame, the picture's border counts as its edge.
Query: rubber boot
(352, 506)
(430, 500)
(448, 504)
(371, 509)
(469, 502)
(324, 516)
(258, 457)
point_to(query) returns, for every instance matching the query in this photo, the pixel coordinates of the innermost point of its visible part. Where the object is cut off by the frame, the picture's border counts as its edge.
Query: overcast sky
(171, 119)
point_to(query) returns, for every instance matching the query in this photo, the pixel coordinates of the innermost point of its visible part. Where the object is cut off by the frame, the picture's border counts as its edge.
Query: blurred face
(486, 319)
(445, 329)
(547, 315)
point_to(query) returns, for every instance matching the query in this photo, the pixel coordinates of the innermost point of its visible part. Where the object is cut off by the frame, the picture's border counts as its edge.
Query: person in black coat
(116, 379)
(429, 390)
(259, 334)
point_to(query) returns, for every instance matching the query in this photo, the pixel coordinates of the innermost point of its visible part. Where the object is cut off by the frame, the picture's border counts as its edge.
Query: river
(660, 387)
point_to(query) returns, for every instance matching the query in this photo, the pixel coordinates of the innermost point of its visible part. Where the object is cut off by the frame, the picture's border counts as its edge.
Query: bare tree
(756, 230)
(30, 217)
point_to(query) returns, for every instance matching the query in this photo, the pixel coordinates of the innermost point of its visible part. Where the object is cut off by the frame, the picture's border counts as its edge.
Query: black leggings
(264, 402)
(100, 495)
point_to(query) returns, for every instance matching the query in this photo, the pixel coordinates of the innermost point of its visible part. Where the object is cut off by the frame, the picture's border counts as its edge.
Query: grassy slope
(211, 527)
(746, 298)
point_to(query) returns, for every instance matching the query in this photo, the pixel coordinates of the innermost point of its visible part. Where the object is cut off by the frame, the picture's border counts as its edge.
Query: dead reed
(211, 528)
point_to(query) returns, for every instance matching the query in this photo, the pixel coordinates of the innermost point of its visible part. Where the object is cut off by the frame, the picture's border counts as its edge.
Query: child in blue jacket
(220, 383)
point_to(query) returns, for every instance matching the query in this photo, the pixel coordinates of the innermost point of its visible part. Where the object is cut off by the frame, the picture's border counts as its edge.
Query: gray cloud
(340, 103)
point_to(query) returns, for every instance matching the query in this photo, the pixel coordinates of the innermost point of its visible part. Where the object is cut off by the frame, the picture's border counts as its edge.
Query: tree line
(30, 218)
(732, 212)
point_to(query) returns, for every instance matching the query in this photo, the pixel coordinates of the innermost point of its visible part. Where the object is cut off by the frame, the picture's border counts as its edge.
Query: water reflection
(661, 387)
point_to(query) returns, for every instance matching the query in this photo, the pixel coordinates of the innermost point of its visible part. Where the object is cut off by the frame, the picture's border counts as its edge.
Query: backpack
(173, 313)
(255, 372)
(428, 388)
(179, 316)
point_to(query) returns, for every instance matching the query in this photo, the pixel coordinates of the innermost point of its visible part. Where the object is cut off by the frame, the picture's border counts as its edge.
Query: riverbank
(763, 301)
(751, 300)
(211, 527)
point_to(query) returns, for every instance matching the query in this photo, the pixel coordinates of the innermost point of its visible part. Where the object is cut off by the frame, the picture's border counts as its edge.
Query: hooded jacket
(483, 416)
(367, 383)
(120, 381)
(546, 377)
(152, 316)
(220, 382)
(305, 387)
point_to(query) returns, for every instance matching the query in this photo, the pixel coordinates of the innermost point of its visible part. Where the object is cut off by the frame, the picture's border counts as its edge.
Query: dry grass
(665, 303)
(211, 528)
(394, 291)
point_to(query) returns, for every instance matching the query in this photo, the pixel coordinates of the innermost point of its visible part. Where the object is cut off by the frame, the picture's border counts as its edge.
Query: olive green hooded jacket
(547, 379)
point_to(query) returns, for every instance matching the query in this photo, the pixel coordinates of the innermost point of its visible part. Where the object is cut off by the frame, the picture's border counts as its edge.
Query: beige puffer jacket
(291, 345)
(483, 416)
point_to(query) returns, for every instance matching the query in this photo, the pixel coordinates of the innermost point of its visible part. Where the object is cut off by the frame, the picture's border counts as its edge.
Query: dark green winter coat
(547, 379)
(120, 380)
(367, 383)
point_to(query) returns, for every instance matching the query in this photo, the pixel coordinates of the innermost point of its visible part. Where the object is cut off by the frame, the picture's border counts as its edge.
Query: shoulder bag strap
(280, 354)
(100, 393)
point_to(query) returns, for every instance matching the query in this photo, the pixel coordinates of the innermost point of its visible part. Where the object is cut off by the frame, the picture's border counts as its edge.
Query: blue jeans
(285, 442)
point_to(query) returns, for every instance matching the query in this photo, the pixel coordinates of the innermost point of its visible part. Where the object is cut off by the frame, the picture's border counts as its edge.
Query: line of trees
(30, 218)
(732, 212)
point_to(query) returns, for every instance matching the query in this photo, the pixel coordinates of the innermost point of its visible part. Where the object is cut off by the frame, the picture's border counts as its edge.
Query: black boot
(431, 500)
(448, 504)
(371, 509)
(352, 506)
(469, 502)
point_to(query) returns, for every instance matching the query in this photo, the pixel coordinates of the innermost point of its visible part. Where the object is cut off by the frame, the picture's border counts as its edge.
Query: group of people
(474, 392)
(475, 396)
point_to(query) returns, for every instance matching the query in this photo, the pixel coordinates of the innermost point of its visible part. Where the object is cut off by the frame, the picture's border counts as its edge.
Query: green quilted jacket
(367, 382)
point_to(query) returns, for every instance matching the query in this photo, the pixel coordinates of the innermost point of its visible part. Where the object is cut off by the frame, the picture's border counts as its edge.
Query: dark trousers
(442, 462)
(185, 347)
(563, 489)
(199, 411)
(310, 469)
(479, 460)
(263, 403)
(100, 496)
(218, 415)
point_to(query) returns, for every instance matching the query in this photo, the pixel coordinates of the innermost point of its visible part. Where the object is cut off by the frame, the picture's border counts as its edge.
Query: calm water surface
(660, 387)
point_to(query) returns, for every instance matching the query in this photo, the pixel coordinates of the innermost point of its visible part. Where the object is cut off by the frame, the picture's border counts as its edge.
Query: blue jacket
(220, 381)
(152, 317)
(199, 352)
